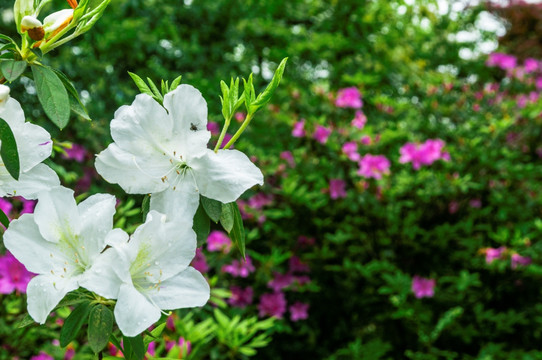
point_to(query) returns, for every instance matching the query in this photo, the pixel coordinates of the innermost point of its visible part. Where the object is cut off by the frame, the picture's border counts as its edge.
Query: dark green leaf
(6, 38)
(237, 233)
(202, 225)
(145, 206)
(72, 298)
(213, 208)
(76, 105)
(27, 320)
(227, 217)
(100, 326)
(4, 219)
(12, 69)
(136, 345)
(73, 323)
(52, 95)
(8, 150)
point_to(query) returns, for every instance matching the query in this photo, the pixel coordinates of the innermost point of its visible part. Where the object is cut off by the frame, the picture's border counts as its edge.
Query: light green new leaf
(52, 95)
(264, 97)
(8, 150)
(141, 84)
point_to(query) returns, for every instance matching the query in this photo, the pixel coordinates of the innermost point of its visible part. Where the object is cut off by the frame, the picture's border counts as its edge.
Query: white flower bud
(21, 9)
(4, 95)
(57, 19)
(30, 22)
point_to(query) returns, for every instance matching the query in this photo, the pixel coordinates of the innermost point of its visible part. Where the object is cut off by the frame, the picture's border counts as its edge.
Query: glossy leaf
(213, 208)
(100, 326)
(8, 150)
(52, 95)
(73, 323)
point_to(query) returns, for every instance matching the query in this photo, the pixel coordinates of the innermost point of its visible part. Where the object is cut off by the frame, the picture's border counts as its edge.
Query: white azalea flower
(59, 242)
(4, 95)
(149, 273)
(164, 152)
(33, 145)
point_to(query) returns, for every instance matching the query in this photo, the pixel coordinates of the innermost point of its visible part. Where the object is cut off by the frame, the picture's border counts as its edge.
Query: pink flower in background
(239, 268)
(185, 345)
(28, 206)
(239, 116)
(518, 260)
(299, 129)
(530, 65)
(410, 153)
(218, 241)
(538, 83)
(42, 356)
(503, 61)
(76, 152)
(305, 241)
(289, 157)
(299, 311)
(296, 265)
(227, 137)
(280, 281)
(69, 354)
(359, 120)
(13, 275)
(350, 149)
(241, 297)
(422, 287)
(260, 200)
(321, 134)
(423, 154)
(373, 166)
(170, 322)
(6, 206)
(151, 349)
(349, 98)
(337, 189)
(475, 203)
(200, 262)
(366, 140)
(272, 305)
(493, 254)
(302, 279)
(453, 207)
(213, 127)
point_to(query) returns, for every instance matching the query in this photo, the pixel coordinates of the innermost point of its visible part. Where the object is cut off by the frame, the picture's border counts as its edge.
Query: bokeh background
(401, 213)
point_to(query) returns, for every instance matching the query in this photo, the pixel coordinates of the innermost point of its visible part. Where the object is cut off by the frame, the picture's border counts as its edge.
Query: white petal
(30, 184)
(106, 275)
(24, 240)
(225, 175)
(179, 204)
(96, 216)
(188, 109)
(33, 144)
(56, 214)
(133, 312)
(187, 289)
(116, 237)
(134, 175)
(56, 19)
(12, 113)
(143, 127)
(44, 293)
(163, 248)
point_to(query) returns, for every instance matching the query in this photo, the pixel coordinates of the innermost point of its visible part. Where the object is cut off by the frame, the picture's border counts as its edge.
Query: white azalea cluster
(157, 150)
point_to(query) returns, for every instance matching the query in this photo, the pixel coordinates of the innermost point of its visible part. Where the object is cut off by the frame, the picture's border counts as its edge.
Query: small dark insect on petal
(193, 127)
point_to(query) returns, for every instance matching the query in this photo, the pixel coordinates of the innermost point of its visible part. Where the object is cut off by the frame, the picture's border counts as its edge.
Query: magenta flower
(475, 203)
(241, 297)
(337, 189)
(493, 254)
(422, 287)
(42, 356)
(302, 279)
(373, 166)
(280, 281)
(538, 83)
(260, 200)
(28, 206)
(518, 260)
(213, 127)
(151, 349)
(289, 157)
(6, 206)
(530, 65)
(13, 275)
(299, 129)
(410, 152)
(349, 98)
(239, 116)
(273, 304)
(185, 345)
(69, 354)
(453, 207)
(350, 149)
(359, 120)
(170, 322)
(423, 154)
(297, 266)
(321, 134)
(366, 140)
(503, 61)
(76, 152)
(218, 241)
(299, 311)
(239, 268)
(200, 262)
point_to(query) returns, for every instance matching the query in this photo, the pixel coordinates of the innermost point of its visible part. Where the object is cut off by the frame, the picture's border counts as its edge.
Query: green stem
(240, 131)
(222, 134)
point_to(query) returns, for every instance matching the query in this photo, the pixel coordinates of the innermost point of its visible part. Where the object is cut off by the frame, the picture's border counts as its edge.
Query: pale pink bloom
(350, 149)
(13, 275)
(359, 120)
(299, 129)
(373, 166)
(299, 311)
(289, 157)
(273, 304)
(337, 189)
(422, 287)
(493, 254)
(518, 260)
(260, 200)
(239, 268)
(530, 65)
(453, 207)
(239, 116)
(280, 281)
(76, 152)
(503, 61)
(213, 127)
(476, 107)
(521, 101)
(200, 262)
(241, 297)
(349, 98)
(321, 134)
(366, 140)
(218, 241)
(297, 266)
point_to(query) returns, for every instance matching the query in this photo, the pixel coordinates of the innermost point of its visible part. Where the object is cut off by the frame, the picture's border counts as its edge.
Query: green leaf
(135, 344)
(202, 225)
(145, 206)
(76, 105)
(141, 84)
(237, 233)
(12, 69)
(4, 219)
(264, 97)
(227, 217)
(8, 150)
(155, 333)
(52, 95)
(213, 208)
(157, 95)
(175, 83)
(27, 320)
(73, 323)
(100, 327)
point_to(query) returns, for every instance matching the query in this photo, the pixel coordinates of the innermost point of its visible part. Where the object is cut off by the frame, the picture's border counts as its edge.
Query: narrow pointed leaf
(175, 83)
(237, 233)
(227, 217)
(4, 220)
(264, 97)
(52, 95)
(201, 225)
(76, 104)
(12, 69)
(141, 84)
(157, 94)
(213, 208)
(73, 323)
(8, 150)
(27, 320)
